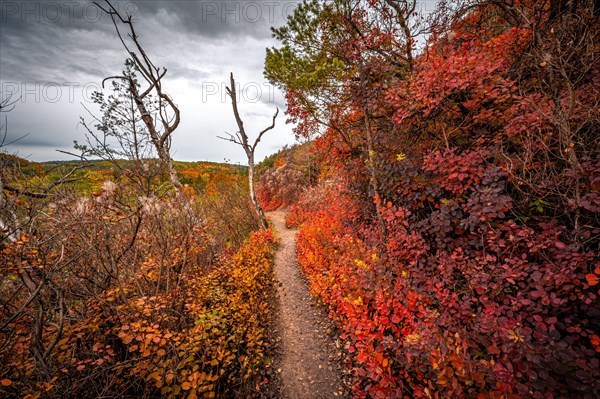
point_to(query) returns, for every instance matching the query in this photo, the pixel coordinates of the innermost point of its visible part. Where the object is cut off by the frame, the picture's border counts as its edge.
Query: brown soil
(308, 365)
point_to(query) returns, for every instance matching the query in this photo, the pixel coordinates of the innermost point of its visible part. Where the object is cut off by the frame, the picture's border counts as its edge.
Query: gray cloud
(55, 41)
(54, 54)
(228, 19)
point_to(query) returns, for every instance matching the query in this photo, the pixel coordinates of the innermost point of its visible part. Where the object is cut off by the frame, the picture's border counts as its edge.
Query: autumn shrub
(459, 249)
(311, 200)
(293, 171)
(488, 316)
(218, 349)
(116, 295)
(225, 207)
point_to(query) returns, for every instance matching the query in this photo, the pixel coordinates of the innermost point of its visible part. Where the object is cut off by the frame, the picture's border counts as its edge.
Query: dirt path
(308, 367)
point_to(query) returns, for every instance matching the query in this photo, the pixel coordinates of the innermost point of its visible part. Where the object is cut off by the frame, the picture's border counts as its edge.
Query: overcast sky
(54, 54)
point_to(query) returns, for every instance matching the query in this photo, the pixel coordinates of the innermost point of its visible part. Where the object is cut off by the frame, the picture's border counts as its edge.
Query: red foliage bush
(476, 275)
(488, 316)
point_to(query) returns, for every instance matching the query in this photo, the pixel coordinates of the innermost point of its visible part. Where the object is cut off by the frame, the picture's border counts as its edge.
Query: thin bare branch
(265, 130)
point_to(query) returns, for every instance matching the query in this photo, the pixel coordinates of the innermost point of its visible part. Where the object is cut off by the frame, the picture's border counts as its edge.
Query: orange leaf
(186, 386)
(592, 279)
(6, 382)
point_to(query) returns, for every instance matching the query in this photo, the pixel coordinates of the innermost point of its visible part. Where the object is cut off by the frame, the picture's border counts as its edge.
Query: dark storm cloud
(55, 53)
(207, 18)
(35, 36)
(228, 19)
(49, 41)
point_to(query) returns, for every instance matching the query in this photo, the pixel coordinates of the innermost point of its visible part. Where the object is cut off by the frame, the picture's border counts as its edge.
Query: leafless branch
(241, 139)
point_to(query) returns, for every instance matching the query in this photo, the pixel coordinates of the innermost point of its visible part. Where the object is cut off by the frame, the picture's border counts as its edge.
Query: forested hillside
(451, 223)
(89, 177)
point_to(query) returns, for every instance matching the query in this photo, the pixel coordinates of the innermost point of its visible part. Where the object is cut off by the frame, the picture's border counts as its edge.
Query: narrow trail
(308, 367)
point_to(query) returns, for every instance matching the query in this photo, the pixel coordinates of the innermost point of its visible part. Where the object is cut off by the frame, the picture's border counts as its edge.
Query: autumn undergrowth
(453, 226)
(137, 297)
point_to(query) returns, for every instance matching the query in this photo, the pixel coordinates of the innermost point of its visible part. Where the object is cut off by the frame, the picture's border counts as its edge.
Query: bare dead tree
(167, 116)
(241, 138)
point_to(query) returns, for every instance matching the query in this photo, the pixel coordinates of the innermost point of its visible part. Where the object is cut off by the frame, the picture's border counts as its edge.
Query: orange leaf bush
(179, 316)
